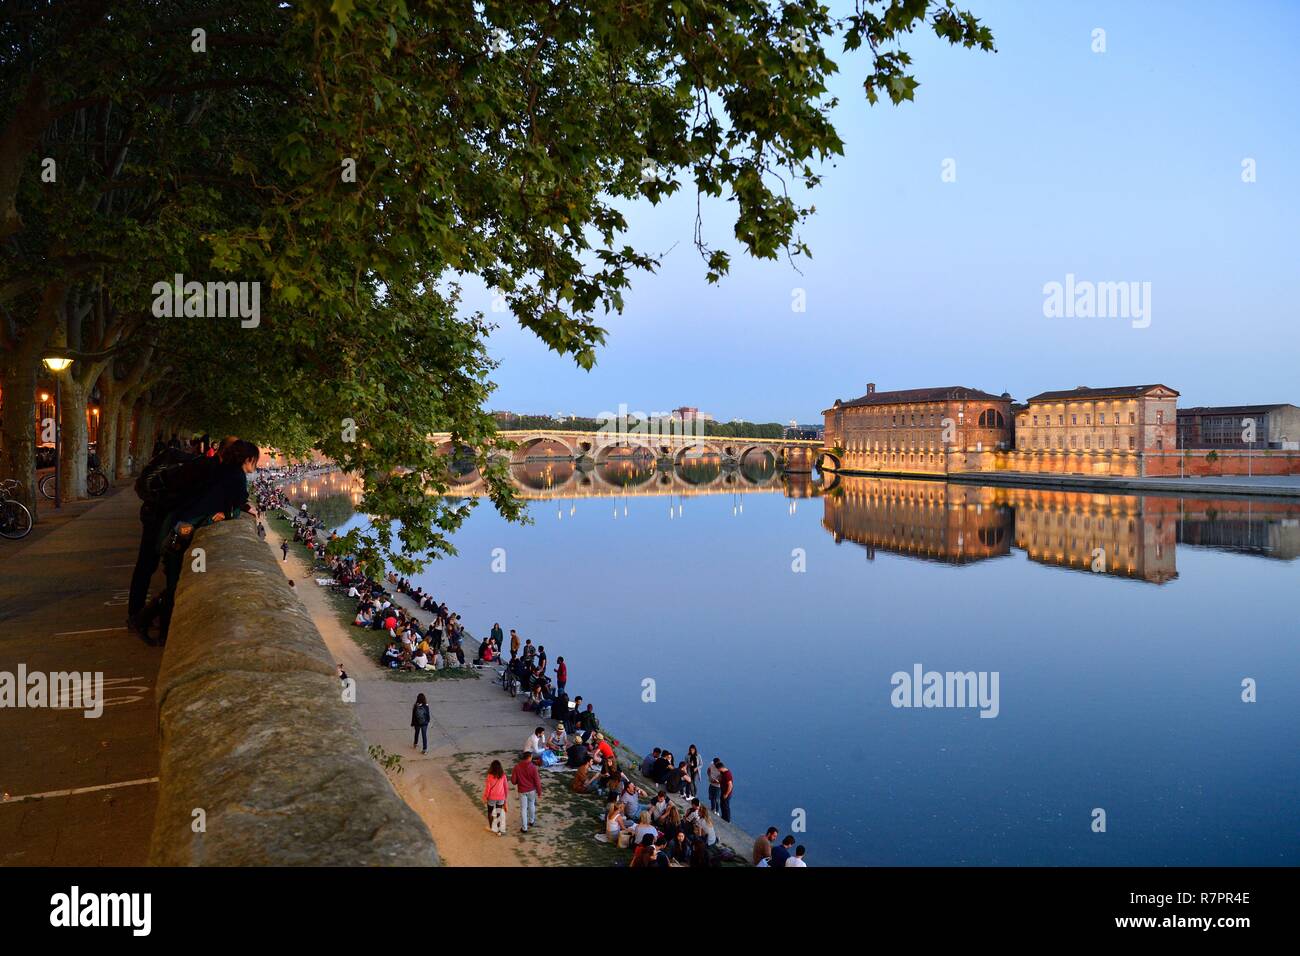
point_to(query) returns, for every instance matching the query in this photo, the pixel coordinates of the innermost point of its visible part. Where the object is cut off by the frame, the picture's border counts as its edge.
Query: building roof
(1083, 391)
(1232, 409)
(905, 395)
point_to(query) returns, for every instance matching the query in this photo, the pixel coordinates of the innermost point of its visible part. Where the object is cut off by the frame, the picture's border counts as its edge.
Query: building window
(1060, 419)
(1035, 419)
(1101, 441)
(1074, 419)
(1132, 442)
(1102, 418)
(1132, 418)
(1160, 416)
(1087, 419)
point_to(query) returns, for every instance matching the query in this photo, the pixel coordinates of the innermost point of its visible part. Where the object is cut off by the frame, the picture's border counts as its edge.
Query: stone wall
(254, 731)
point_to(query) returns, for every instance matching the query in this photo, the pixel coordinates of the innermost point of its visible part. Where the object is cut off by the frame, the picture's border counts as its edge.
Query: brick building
(1095, 431)
(919, 430)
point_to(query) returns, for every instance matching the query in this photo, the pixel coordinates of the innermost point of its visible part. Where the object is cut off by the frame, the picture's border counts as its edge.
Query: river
(766, 619)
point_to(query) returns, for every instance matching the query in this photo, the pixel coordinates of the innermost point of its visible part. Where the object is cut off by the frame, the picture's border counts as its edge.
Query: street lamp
(57, 364)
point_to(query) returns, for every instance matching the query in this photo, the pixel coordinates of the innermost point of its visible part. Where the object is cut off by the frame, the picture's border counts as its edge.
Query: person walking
(496, 793)
(726, 786)
(561, 674)
(420, 721)
(528, 784)
(284, 550)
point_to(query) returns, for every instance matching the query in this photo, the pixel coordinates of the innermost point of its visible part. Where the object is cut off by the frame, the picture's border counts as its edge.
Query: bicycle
(96, 483)
(509, 682)
(15, 519)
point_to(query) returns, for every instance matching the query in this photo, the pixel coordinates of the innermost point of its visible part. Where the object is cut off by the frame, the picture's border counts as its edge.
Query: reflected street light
(57, 363)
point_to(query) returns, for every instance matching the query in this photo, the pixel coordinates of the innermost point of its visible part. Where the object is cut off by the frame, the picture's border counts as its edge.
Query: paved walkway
(79, 791)
(468, 716)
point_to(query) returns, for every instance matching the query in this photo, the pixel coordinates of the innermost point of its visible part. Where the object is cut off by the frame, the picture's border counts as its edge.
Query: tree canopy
(356, 158)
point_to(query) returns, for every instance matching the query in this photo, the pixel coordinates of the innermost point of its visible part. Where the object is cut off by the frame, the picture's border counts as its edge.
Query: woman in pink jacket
(496, 790)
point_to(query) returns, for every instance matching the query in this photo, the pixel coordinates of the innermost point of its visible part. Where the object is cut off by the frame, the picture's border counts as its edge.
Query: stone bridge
(597, 447)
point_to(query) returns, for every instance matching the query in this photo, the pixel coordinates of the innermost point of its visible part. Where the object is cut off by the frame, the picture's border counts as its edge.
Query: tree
(352, 159)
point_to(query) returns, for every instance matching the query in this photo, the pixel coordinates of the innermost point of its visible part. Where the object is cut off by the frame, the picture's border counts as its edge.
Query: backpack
(170, 478)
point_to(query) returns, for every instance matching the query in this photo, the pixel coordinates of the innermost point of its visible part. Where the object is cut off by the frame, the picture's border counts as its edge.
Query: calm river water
(771, 616)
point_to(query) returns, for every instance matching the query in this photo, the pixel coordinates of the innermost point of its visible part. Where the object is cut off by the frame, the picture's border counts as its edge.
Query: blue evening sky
(1119, 166)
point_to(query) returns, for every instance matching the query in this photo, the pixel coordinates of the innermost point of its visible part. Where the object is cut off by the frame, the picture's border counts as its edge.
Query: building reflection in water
(955, 524)
(1125, 536)
(1129, 536)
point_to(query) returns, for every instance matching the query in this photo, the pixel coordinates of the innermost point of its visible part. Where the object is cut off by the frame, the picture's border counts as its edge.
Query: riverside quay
(1119, 431)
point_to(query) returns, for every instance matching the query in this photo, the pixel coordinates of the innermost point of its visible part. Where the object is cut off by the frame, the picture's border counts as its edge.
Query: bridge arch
(634, 446)
(709, 448)
(462, 467)
(823, 456)
(520, 454)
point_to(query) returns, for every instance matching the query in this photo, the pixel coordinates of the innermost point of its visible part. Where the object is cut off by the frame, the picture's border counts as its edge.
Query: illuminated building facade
(930, 431)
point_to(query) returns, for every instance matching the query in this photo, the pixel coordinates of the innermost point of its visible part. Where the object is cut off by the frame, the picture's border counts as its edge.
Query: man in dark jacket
(224, 494)
(578, 754)
(170, 476)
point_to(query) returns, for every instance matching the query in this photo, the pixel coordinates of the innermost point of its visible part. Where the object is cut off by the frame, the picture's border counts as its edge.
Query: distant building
(805, 432)
(1095, 431)
(1225, 426)
(689, 413)
(919, 430)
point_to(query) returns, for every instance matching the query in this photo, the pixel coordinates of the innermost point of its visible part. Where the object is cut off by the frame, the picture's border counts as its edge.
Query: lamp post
(57, 364)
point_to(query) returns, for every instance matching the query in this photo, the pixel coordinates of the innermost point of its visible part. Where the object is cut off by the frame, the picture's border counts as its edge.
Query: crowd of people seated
(412, 644)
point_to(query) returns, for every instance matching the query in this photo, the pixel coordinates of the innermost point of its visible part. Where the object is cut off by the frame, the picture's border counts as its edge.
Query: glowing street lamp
(57, 364)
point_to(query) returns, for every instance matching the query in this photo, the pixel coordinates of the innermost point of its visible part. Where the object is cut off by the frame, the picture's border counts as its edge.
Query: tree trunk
(73, 439)
(124, 453)
(146, 431)
(107, 444)
(19, 423)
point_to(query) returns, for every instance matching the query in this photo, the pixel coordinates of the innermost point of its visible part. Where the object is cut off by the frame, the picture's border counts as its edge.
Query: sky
(1119, 166)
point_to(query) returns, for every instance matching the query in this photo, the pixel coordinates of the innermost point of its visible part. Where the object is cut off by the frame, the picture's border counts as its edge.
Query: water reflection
(1122, 536)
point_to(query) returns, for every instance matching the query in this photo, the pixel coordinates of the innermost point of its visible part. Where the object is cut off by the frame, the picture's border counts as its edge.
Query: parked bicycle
(15, 519)
(96, 483)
